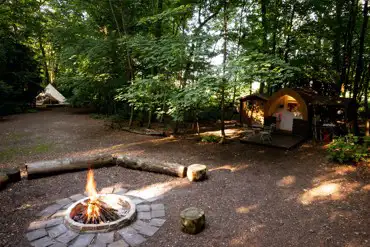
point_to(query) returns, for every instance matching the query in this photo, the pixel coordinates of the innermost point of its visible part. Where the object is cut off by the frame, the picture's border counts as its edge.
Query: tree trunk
(131, 117)
(337, 37)
(360, 63)
(149, 119)
(264, 37)
(366, 93)
(287, 44)
(347, 52)
(44, 63)
(223, 138)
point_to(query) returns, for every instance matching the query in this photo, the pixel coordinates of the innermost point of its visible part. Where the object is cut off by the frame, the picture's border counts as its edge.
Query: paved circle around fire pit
(50, 229)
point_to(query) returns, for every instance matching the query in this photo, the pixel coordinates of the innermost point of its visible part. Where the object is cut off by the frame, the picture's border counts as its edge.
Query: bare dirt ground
(254, 196)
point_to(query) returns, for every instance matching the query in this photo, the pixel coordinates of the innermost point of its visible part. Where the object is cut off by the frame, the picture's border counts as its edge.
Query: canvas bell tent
(50, 96)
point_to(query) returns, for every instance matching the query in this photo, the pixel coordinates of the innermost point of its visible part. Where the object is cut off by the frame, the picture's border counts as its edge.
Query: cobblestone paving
(50, 229)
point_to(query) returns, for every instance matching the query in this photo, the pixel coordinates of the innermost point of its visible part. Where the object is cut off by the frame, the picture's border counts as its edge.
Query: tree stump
(3, 180)
(13, 174)
(197, 172)
(192, 220)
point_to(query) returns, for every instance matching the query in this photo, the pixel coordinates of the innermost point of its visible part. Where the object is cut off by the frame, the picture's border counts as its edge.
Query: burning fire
(93, 209)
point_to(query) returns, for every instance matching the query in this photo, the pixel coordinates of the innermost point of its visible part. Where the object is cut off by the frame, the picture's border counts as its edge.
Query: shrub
(211, 138)
(348, 148)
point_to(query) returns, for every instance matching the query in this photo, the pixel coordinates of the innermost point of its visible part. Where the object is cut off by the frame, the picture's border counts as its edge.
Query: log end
(13, 174)
(197, 172)
(192, 220)
(4, 179)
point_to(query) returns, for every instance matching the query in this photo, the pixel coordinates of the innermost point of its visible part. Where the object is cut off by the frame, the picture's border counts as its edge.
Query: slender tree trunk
(44, 60)
(287, 44)
(264, 37)
(131, 117)
(366, 102)
(223, 138)
(149, 119)
(337, 37)
(360, 62)
(347, 52)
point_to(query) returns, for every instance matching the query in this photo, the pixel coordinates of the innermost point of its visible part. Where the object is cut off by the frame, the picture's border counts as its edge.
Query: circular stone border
(51, 229)
(105, 227)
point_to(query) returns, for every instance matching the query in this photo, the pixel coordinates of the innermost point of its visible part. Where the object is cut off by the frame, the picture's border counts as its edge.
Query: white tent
(50, 96)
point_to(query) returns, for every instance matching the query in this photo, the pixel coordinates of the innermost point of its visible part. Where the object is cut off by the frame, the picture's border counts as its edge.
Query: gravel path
(254, 196)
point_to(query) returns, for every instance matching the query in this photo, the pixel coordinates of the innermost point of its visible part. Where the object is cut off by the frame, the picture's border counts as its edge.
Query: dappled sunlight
(247, 237)
(286, 181)
(158, 189)
(125, 146)
(245, 210)
(334, 172)
(366, 187)
(229, 132)
(229, 168)
(329, 191)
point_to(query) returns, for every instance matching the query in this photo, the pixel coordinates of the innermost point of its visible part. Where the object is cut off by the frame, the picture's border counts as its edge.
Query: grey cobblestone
(143, 208)
(67, 237)
(64, 201)
(157, 222)
(158, 213)
(83, 240)
(36, 234)
(43, 242)
(57, 231)
(157, 207)
(131, 236)
(144, 228)
(120, 243)
(50, 210)
(105, 238)
(144, 215)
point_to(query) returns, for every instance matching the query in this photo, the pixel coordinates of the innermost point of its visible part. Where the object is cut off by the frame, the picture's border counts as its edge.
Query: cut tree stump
(4, 179)
(197, 172)
(13, 174)
(173, 169)
(50, 167)
(192, 220)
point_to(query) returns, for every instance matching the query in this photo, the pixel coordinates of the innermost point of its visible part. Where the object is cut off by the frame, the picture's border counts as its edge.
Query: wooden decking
(279, 140)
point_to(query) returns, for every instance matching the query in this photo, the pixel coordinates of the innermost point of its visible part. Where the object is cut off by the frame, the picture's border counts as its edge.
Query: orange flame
(93, 208)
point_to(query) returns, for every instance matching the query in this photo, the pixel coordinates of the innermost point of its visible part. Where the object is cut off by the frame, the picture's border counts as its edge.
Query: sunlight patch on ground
(245, 210)
(331, 190)
(228, 132)
(157, 189)
(366, 187)
(286, 181)
(229, 168)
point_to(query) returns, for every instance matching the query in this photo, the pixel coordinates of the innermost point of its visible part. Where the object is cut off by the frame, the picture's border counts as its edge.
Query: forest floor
(254, 196)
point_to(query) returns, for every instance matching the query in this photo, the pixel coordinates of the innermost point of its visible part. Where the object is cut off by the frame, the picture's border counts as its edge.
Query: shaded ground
(255, 196)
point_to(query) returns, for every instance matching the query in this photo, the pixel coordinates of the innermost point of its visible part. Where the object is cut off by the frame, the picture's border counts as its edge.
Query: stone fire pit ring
(125, 220)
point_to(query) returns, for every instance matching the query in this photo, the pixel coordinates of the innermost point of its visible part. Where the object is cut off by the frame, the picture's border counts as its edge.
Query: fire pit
(116, 217)
(100, 212)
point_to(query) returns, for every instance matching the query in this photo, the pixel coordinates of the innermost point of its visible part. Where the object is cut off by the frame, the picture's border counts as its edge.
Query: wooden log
(197, 172)
(4, 179)
(50, 167)
(192, 220)
(173, 169)
(13, 174)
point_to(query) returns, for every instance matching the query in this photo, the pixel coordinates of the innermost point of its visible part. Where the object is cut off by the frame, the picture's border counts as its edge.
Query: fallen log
(50, 167)
(173, 169)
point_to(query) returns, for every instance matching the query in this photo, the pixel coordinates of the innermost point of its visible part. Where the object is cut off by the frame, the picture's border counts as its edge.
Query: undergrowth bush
(348, 148)
(211, 138)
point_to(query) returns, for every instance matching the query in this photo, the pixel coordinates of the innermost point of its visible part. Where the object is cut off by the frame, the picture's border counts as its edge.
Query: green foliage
(211, 139)
(347, 149)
